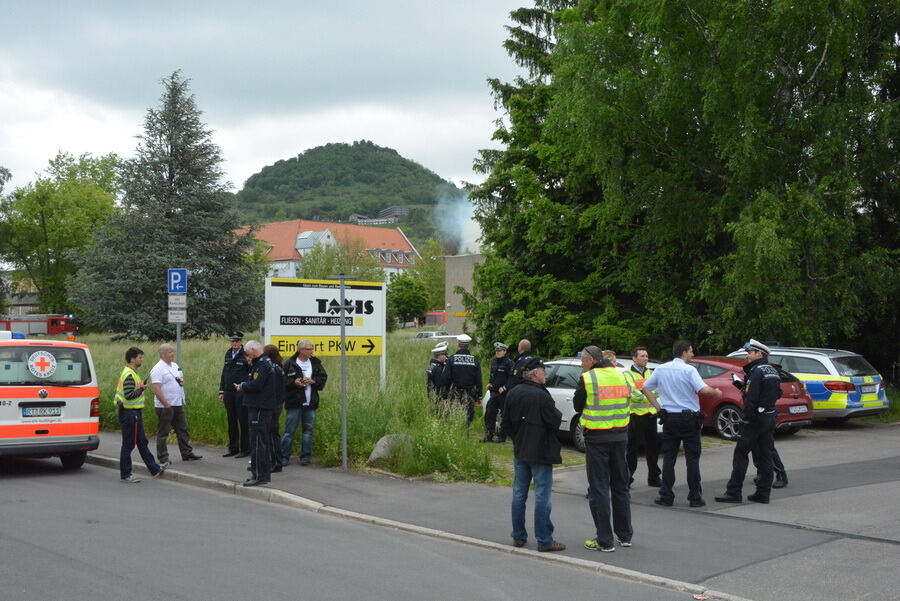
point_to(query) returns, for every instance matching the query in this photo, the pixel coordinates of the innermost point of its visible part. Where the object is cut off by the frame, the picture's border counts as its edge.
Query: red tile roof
(282, 236)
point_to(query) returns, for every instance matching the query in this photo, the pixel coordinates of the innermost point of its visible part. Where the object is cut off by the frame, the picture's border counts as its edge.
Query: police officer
(679, 384)
(642, 427)
(761, 388)
(501, 371)
(435, 383)
(260, 399)
(524, 350)
(463, 374)
(235, 371)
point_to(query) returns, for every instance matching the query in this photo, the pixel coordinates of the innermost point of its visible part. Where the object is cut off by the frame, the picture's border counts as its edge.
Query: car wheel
(728, 422)
(73, 461)
(577, 431)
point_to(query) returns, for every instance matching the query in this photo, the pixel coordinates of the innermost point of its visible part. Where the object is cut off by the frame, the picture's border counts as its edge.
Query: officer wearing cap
(435, 382)
(761, 389)
(501, 371)
(235, 370)
(463, 373)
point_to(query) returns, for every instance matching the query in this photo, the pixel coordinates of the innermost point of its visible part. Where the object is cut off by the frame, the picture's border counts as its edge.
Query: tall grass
(442, 446)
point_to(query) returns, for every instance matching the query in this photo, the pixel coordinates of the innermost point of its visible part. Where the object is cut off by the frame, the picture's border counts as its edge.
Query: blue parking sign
(178, 281)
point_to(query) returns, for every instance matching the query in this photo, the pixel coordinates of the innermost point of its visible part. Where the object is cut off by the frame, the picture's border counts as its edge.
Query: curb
(280, 497)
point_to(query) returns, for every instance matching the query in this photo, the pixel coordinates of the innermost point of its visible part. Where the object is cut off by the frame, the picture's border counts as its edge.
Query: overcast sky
(273, 78)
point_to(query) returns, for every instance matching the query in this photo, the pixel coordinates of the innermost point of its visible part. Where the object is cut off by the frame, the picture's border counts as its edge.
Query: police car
(49, 400)
(842, 384)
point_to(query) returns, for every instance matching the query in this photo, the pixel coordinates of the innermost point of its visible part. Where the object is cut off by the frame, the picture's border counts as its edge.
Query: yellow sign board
(330, 346)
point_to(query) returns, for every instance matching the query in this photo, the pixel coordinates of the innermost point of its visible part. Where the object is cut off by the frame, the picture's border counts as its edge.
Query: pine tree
(176, 213)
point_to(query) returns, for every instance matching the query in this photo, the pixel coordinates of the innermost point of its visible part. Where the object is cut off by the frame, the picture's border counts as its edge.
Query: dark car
(725, 414)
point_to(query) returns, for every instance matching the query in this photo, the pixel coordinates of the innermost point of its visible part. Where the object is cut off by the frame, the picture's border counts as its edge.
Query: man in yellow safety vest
(643, 420)
(130, 402)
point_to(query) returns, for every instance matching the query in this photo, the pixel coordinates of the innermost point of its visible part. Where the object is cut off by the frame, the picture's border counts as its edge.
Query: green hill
(332, 182)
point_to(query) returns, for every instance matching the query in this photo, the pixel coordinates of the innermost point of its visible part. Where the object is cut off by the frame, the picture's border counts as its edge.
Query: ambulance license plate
(868, 388)
(41, 411)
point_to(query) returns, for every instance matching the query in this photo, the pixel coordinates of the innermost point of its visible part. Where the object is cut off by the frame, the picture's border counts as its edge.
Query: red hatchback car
(725, 414)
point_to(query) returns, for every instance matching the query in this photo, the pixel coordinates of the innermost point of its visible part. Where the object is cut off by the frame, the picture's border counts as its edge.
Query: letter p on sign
(178, 281)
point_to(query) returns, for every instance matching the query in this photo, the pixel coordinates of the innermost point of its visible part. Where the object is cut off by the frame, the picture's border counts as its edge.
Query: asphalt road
(86, 536)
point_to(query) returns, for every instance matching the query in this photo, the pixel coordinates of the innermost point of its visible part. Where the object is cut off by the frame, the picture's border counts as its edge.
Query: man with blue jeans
(304, 377)
(532, 420)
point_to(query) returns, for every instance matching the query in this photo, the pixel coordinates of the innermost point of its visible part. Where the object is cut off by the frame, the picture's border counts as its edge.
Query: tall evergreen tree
(176, 213)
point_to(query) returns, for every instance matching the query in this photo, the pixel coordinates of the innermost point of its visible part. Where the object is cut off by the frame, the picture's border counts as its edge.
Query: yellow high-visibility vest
(608, 399)
(640, 405)
(137, 403)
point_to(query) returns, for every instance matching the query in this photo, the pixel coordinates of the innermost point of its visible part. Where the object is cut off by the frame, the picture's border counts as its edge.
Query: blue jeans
(132, 423)
(542, 474)
(293, 418)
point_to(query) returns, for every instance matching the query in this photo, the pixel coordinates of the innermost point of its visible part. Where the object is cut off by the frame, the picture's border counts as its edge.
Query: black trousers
(757, 437)
(681, 428)
(494, 407)
(236, 416)
(607, 475)
(642, 428)
(275, 438)
(778, 468)
(260, 443)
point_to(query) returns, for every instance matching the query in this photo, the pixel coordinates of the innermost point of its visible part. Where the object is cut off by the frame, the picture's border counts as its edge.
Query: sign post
(341, 318)
(177, 285)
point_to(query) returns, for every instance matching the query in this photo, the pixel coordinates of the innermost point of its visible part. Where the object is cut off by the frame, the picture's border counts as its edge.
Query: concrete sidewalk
(679, 548)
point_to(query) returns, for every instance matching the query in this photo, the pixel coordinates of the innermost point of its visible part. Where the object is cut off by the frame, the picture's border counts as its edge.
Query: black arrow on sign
(369, 345)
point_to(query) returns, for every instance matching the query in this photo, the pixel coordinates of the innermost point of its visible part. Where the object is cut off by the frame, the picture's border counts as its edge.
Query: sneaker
(162, 468)
(552, 547)
(623, 543)
(593, 545)
(131, 479)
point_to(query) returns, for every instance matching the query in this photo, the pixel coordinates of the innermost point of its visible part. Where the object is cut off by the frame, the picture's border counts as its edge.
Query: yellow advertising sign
(330, 346)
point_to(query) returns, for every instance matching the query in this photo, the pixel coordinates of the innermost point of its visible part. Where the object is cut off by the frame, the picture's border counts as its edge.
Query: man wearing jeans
(532, 420)
(304, 377)
(130, 403)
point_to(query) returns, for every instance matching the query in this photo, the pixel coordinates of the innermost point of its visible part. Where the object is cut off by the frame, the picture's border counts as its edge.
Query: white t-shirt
(164, 374)
(306, 368)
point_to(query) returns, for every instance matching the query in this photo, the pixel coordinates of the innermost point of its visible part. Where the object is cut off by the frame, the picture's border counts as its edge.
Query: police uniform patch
(256, 375)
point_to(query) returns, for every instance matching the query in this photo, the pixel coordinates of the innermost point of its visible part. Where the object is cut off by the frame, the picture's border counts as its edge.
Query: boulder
(388, 447)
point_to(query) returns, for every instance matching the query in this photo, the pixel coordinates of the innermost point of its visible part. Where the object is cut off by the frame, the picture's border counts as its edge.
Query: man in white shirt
(679, 384)
(168, 400)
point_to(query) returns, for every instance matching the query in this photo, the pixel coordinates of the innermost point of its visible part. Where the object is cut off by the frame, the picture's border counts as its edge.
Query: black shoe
(242, 454)
(252, 482)
(698, 503)
(192, 457)
(663, 502)
(758, 498)
(487, 438)
(726, 498)
(230, 454)
(654, 482)
(780, 483)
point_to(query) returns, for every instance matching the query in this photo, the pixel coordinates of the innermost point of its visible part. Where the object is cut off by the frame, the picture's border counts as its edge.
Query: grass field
(444, 447)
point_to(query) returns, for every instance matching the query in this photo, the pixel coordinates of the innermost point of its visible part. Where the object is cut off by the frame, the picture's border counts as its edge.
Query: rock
(388, 447)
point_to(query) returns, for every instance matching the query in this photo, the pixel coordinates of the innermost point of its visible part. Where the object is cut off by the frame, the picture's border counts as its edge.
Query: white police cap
(441, 348)
(464, 339)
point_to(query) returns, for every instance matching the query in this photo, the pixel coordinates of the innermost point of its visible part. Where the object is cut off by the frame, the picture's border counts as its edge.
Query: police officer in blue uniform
(463, 373)
(435, 383)
(501, 371)
(515, 378)
(260, 399)
(235, 371)
(761, 388)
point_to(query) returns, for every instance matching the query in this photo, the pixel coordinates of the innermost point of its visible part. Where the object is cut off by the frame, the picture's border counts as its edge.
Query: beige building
(458, 271)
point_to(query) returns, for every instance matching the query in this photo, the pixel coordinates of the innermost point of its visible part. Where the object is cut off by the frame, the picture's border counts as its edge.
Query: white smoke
(454, 219)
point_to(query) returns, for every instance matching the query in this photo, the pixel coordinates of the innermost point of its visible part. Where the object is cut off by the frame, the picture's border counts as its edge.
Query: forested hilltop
(333, 181)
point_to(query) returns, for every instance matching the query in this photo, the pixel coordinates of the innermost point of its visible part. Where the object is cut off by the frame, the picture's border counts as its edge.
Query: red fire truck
(39, 324)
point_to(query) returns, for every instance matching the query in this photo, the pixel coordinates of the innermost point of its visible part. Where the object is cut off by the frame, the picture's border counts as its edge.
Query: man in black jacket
(435, 382)
(532, 420)
(463, 373)
(501, 371)
(304, 377)
(260, 399)
(761, 388)
(235, 370)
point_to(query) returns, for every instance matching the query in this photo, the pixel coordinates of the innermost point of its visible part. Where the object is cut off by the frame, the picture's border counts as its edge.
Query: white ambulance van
(49, 400)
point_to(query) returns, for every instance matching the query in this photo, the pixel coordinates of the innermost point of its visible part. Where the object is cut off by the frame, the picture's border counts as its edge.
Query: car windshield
(43, 366)
(854, 365)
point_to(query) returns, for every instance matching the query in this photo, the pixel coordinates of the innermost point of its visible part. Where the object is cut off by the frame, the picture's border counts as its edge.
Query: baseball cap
(532, 363)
